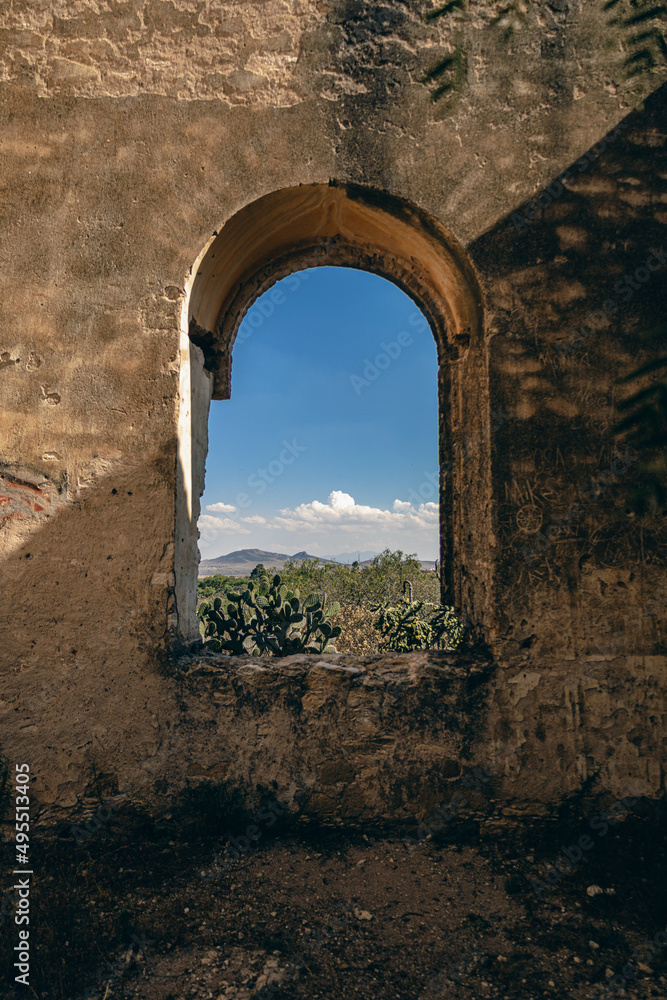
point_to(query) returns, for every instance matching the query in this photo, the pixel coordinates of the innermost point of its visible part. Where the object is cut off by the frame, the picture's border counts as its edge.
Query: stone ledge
(341, 738)
(387, 739)
(391, 741)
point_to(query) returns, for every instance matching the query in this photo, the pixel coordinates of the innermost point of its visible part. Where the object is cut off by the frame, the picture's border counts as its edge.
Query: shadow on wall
(86, 602)
(90, 584)
(573, 278)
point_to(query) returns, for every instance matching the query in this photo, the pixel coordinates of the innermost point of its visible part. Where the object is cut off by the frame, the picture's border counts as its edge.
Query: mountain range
(350, 557)
(242, 561)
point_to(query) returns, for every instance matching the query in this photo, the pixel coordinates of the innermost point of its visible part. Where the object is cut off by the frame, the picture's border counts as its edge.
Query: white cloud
(221, 508)
(331, 526)
(342, 512)
(341, 501)
(211, 527)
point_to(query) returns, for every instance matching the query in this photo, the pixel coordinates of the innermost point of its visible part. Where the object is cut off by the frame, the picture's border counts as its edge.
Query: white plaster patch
(524, 684)
(335, 666)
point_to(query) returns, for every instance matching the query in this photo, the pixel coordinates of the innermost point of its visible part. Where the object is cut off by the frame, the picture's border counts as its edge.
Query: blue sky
(329, 441)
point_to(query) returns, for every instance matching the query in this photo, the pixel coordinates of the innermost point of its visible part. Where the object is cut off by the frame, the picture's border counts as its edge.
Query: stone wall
(570, 288)
(130, 134)
(383, 741)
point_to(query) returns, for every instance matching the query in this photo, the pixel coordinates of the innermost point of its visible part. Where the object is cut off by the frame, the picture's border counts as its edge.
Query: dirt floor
(167, 910)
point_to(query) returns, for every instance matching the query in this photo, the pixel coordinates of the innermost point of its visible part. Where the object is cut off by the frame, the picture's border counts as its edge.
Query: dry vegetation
(358, 636)
(356, 588)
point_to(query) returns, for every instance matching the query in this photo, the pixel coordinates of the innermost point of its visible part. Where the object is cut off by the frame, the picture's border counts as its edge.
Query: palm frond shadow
(645, 429)
(637, 24)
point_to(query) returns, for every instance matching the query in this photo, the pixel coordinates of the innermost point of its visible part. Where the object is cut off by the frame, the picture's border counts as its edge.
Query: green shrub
(381, 579)
(219, 583)
(412, 625)
(268, 619)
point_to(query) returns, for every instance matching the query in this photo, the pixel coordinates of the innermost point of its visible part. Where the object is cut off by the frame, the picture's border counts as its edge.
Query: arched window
(315, 225)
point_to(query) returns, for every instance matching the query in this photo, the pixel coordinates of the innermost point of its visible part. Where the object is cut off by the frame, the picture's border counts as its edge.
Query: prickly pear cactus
(267, 618)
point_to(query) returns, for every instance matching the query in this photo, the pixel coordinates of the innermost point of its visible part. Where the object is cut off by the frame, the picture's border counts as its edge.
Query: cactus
(415, 625)
(446, 628)
(268, 619)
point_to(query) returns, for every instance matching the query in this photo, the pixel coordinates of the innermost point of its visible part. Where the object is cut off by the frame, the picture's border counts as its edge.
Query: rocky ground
(166, 911)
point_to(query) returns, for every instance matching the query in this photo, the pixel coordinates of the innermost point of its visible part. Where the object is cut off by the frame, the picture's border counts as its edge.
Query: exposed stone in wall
(27, 499)
(247, 52)
(239, 53)
(385, 739)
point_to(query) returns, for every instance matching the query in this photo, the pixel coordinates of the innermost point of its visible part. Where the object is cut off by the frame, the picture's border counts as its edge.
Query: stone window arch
(351, 226)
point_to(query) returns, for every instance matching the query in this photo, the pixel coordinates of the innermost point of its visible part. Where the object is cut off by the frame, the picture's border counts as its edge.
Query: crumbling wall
(130, 133)
(573, 279)
(351, 741)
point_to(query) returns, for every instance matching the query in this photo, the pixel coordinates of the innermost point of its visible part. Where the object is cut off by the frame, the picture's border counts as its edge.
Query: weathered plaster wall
(354, 70)
(195, 389)
(579, 574)
(129, 134)
(350, 740)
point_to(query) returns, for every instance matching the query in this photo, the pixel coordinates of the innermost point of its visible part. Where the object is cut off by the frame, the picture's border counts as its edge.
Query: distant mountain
(242, 561)
(350, 557)
(243, 556)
